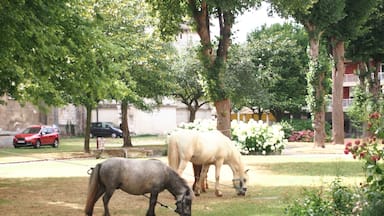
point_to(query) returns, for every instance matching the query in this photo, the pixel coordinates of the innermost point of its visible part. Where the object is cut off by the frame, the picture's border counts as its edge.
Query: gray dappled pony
(137, 177)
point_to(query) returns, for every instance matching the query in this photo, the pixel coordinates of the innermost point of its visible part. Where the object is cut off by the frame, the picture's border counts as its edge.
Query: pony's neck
(176, 185)
(237, 169)
(237, 166)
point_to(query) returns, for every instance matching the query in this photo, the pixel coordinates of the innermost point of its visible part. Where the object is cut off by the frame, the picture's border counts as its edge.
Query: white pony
(206, 148)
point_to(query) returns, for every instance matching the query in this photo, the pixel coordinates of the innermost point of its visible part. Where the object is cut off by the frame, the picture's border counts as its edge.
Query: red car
(36, 136)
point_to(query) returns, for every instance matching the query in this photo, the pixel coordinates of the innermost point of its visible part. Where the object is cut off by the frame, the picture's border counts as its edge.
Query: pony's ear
(246, 171)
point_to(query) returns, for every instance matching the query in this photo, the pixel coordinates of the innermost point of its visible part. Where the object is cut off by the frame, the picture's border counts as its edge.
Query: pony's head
(240, 183)
(184, 205)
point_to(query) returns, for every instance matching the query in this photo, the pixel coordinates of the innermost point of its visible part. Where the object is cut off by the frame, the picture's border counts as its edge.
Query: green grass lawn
(76, 144)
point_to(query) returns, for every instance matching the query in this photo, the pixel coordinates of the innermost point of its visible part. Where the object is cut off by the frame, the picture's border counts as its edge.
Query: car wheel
(55, 143)
(38, 144)
(113, 135)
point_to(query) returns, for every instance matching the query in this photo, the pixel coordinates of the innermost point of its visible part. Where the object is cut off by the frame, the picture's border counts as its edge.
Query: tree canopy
(268, 72)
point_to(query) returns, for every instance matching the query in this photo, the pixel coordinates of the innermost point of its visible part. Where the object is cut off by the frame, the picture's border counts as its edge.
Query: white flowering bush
(253, 137)
(257, 137)
(199, 124)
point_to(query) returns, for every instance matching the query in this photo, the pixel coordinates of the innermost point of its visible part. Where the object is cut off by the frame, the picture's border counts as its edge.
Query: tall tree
(30, 49)
(173, 13)
(87, 76)
(140, 60)
(316, 17)
(368, 51)
(357, 13)
(276, 59)
(189, 85)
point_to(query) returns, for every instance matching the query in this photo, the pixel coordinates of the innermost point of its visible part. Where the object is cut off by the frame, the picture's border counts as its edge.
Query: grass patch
(52, 196)
(331, 168)
(76, 144)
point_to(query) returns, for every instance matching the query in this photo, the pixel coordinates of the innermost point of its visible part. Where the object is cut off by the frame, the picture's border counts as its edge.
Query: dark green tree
(189, 85)
(30, 49)
(274, 62)
(172, 13)
(140, 60)
(357, 13)
(316, 17)
(368, 51)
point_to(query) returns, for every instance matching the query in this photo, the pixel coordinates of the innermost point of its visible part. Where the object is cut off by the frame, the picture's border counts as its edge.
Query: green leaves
(269, 68)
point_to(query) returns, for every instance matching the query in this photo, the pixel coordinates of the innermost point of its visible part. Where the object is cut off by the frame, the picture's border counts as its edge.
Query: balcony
(350, 80)
(353, 79)
(346, 103)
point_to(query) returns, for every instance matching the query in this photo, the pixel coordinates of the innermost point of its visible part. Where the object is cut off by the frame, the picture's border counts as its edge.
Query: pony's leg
(218, 165)
(107, 196)
(182, 166)
(152, 204)
(203, 175)
(205, 182)
(196, 172)
(99, 192)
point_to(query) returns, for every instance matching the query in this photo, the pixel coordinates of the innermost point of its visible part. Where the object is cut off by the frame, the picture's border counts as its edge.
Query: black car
(105, 129)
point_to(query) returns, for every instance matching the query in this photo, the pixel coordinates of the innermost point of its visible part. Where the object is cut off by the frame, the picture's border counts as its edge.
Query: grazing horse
(137, 177)
(206, 148)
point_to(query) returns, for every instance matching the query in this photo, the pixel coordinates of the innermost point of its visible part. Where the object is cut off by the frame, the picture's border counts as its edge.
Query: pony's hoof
(218, 193)
(197, 192)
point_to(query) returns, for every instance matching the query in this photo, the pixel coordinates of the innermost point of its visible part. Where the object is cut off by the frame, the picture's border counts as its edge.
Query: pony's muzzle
(242, 192)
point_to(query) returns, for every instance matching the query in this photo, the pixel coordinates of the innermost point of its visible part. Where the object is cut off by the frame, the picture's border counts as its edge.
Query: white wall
(158, 121)
(107, 115)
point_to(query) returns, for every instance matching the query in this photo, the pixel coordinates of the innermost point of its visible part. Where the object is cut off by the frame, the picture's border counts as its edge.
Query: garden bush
(253, 137)
(368, 198)
(257, 137)
(338, 200)
(300, 130)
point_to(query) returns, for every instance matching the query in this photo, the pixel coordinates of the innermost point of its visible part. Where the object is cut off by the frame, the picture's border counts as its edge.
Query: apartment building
(351, 80)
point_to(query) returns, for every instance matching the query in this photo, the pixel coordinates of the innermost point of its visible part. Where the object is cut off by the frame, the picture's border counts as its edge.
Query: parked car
(105, 129)
(36, 136)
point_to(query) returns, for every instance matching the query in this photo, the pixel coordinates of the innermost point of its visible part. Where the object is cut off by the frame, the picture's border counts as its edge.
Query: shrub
(368, 199)
(257, 137)
(339, 200)
(372, 153)
(254, 137)
(300, 130)
(287, 128)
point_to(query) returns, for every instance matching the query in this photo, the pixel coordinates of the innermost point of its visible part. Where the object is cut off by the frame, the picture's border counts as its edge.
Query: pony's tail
(93, 190)
(173, 153)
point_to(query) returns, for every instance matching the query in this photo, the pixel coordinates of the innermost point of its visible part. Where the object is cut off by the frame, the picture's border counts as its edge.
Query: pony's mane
(173, 174)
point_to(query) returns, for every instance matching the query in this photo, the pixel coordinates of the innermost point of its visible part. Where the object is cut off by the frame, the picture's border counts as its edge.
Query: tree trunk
(87, 129)
(337, 92)
(124, 124)
(363, 68)
(223, 113)
(375, 90)
(319, 116)
(318, 109)
(192, 113)
(215, 64)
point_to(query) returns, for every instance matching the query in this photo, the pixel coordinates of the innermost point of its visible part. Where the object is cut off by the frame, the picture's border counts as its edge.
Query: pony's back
(180, 142)
(215, 143)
